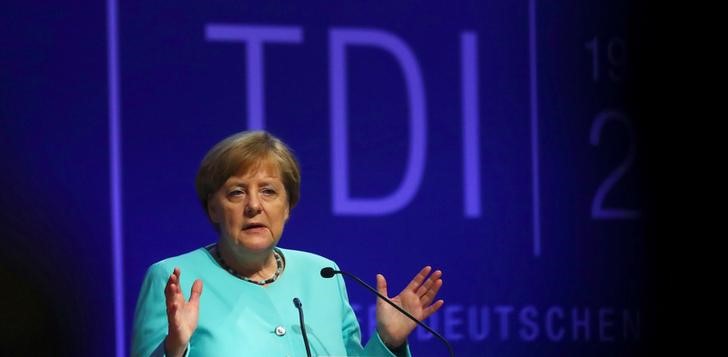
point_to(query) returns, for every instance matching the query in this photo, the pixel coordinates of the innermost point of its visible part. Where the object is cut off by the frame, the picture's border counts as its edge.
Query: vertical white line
(115, 174)
(256, 91)
(535, 184)
(471, 130)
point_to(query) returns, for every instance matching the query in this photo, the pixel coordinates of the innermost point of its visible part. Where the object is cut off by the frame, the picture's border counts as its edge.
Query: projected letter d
(343, 202)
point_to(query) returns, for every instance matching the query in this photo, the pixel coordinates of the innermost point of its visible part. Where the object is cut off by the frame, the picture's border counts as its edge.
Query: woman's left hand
(393, 326)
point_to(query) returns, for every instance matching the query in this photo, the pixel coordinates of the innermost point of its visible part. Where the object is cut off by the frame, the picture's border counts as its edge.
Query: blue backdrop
(499, 141)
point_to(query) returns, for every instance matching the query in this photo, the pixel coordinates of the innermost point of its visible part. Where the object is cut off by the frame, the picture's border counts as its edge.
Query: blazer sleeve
(150, 316)
(351, 332)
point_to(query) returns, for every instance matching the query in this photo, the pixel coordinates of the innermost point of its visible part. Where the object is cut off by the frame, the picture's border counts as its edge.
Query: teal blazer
(238, 318)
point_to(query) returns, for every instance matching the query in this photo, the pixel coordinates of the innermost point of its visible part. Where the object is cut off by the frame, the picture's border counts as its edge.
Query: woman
(248, 184)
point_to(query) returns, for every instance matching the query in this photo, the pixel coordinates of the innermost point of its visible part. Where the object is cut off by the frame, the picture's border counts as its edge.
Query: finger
(429, 283)
(432, 309)
(196, 291)
(430, 294)
(170, 293)
(176, 279)
(422, 290)
(418, 279)
(382, 285)
(171, 288)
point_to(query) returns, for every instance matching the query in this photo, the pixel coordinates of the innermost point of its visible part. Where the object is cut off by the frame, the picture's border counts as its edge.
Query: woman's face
(251, 208)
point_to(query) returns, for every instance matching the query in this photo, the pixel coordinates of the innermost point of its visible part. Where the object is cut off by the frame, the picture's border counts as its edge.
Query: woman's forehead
(265, 167)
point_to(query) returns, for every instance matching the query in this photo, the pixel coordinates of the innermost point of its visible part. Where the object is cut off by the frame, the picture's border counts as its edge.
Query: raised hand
(181, 315)
(416, 298)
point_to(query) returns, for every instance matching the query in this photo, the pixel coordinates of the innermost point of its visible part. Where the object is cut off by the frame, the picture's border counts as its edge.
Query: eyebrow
(239, 182)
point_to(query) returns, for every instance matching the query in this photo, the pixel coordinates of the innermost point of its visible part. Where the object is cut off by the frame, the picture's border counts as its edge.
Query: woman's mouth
(254, 227)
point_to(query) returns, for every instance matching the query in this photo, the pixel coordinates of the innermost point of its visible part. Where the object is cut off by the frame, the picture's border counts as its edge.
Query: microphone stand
(299, 306)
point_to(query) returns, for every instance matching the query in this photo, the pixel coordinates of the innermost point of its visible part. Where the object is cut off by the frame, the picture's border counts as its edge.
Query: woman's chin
(256, 244)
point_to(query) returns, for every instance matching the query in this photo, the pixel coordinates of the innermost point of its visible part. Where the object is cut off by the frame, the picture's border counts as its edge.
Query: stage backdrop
(489, 139)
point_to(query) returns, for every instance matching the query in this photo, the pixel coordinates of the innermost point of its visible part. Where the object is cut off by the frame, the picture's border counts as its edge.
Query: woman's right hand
(181, 315)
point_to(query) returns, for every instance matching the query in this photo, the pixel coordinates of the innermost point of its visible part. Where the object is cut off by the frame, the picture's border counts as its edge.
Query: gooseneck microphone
(329, 272)
(299, 306)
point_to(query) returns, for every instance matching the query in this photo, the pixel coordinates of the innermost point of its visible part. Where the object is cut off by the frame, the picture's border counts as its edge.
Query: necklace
(276, 255)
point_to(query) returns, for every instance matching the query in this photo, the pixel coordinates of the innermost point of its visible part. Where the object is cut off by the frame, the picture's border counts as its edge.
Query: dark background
(181, 93)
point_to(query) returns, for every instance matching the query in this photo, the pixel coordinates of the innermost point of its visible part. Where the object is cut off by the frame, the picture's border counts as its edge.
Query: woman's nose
(253, 207)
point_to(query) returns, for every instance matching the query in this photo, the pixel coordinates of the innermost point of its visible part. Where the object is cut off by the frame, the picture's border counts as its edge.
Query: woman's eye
(235, 193)
(269, 191)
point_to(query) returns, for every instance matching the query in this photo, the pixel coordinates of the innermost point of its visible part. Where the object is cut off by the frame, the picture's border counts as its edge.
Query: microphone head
(328, 272)
(296, 302)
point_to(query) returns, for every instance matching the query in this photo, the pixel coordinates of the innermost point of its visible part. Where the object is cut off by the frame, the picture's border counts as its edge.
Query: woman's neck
(259, 265)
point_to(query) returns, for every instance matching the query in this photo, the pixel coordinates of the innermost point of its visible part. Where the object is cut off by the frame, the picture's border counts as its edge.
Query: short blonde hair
(242, 151)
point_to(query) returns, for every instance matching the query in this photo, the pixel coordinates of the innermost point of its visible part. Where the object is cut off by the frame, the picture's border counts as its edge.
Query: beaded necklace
(276, 255)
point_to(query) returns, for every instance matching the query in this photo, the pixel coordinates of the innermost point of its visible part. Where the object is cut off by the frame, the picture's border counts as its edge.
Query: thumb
(196, 291)
(382, 285)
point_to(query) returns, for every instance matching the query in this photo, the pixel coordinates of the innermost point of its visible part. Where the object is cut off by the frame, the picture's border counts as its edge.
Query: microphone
(299, 306)
(329, 272)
